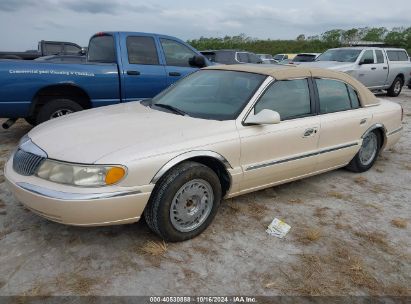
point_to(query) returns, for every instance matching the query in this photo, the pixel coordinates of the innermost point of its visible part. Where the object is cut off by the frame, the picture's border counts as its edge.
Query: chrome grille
(26, 163)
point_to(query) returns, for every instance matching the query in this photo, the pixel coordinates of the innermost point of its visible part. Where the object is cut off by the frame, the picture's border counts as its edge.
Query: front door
(177, 59)
(271, 154)
(368, 69)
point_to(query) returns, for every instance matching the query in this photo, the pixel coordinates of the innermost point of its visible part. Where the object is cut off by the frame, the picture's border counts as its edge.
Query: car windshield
(210, 94)
(341, 55)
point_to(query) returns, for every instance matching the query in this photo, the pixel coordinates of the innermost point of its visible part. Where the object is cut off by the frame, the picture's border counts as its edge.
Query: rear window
(101, 49)
(397, 56)
(142, 50)
(53, 48)
(304, 58)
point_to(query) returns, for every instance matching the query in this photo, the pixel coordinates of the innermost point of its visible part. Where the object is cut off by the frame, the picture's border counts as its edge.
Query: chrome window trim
(187, 155)
(284, 160)
(68, 196)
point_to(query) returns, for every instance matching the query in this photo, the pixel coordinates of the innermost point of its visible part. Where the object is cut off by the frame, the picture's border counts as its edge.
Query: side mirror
(197, 61)
(83, 51)
(264, 117)
(367, 61)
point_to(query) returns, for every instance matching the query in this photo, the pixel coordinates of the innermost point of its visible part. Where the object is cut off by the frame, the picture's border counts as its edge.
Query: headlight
(80, 175)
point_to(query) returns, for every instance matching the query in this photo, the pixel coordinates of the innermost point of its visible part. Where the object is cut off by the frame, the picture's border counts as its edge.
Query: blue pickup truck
(120, 67)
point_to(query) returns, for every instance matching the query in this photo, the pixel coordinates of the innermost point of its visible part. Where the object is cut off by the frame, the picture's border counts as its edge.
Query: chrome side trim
(73, 196)
(188, 155)
(395, 131)
(284, 160)
(27, 145)
(373, 127)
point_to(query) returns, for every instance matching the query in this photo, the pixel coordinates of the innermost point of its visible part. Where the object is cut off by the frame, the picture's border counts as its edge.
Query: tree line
(396, 37)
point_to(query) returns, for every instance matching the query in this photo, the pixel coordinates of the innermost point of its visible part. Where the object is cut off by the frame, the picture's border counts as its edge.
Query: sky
(24, 22)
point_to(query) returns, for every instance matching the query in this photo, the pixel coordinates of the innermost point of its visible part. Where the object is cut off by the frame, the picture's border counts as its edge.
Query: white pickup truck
(377, 68)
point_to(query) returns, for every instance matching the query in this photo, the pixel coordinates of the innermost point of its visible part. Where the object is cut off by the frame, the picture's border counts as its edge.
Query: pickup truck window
(397, 55)
(101, 49)
(176, 53)
(53, 48)
(380, 56)
(142, 50)
(242, 57)
(71, 49)
(341, 55)
(368, 55)
(290, 98)
(333, 96)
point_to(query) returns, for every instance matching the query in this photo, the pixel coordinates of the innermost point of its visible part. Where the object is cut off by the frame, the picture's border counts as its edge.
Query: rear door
(177, 59)
(144, 75)
(379, 77)
(343, 122)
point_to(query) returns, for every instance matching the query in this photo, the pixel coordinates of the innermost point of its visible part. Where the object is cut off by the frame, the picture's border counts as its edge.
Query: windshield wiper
(172, 108)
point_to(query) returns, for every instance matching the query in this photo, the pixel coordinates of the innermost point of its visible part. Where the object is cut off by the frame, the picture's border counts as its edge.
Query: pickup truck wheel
(184, 202)
(396, 87)
(57, 108)
(368, 153)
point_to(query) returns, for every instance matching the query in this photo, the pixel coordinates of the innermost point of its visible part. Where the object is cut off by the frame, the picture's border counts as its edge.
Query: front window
(290, 98)
(176, 53)
(368, 56)
(211, 94)
(340, 55)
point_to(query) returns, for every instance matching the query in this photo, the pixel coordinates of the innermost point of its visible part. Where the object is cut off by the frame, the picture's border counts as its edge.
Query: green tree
(375, 34)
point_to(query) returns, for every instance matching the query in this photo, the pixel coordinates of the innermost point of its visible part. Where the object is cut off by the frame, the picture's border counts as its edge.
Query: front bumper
(78, 206)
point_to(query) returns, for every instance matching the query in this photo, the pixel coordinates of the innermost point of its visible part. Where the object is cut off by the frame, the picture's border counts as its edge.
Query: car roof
(284, 72)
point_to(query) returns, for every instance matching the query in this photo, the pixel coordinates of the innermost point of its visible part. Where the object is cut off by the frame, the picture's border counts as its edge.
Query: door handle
(174, 74)
(385, 68)
(309, 132)
(363, 121)
(373, 68)
(133, 73)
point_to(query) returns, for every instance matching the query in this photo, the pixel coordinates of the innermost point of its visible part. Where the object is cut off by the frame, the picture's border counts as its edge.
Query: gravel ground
(350, 235)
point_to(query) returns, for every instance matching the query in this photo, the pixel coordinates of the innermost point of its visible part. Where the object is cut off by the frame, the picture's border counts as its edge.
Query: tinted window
(341, 55)
(304, 58)
(53, 49)
(333, 96)
(368, 55)
(355, 102)
(392, 55)
(176, 53)
(380, 56)
(402, 56)
(142, 50)
(101, 49)
(212, 94)
(242, 57)
(278, 57)
(290, 98)
(72, 49)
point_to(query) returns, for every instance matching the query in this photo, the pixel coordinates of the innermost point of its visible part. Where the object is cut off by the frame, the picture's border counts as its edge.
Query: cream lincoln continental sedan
(221, 132)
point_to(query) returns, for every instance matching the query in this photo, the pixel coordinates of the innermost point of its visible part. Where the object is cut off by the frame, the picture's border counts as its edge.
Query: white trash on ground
(278, 228)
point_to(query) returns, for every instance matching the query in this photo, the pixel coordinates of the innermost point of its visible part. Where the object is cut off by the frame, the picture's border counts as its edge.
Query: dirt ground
(350, 235)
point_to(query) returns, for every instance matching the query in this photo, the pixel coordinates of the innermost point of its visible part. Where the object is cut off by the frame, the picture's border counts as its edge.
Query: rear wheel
(368, 153)
(184, 202)
(396, 87)
(57, 108)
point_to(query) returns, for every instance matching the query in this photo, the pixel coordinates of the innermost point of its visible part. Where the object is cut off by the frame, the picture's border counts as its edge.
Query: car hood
(88, 136)
(332, 65)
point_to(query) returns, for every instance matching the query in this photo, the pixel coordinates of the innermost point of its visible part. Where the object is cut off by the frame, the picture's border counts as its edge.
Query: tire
(56, 108)
(396, 87)
(187, 177)
(30, 120)
(361, 163)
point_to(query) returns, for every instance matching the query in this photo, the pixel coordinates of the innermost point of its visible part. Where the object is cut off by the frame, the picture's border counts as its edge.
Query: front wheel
(368, 153)
(57, 108)
(184, 202)
(396, 87)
